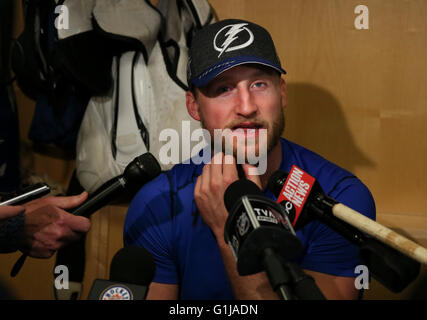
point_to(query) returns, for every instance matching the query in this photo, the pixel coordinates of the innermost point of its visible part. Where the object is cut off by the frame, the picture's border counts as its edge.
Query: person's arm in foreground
(41, 227)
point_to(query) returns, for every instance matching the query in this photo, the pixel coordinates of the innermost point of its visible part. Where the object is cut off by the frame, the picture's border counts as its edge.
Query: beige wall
(357, 97)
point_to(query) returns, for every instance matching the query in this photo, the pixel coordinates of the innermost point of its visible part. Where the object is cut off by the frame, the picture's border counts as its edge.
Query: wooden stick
(380, 232)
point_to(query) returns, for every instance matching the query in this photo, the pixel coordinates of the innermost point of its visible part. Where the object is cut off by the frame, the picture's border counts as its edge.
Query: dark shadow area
(5, 292)
(314, 119)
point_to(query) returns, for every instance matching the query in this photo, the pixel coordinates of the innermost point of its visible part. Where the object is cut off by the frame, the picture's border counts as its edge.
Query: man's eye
(259, 84)
(222, 90)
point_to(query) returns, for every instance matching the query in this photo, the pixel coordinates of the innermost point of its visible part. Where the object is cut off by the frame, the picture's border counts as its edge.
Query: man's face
(244, 99)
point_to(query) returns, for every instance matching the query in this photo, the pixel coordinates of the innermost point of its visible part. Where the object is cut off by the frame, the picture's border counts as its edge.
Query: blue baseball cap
(225, 44)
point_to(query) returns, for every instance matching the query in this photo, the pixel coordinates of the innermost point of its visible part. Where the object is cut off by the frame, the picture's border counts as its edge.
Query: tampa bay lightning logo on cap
(233, 38)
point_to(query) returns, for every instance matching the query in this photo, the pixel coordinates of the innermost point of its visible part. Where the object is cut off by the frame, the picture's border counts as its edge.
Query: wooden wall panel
(357, 97)
(103, 242)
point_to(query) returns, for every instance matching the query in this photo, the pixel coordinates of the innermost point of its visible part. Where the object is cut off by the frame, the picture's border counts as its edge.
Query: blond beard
(277, 129)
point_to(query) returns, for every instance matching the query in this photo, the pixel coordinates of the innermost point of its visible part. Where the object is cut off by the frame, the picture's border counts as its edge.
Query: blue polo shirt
(163, 218)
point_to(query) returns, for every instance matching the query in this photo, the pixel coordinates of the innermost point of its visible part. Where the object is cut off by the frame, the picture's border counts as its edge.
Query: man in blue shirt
(235, 83)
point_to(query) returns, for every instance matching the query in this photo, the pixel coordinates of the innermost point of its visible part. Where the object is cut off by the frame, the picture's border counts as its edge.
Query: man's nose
(246, 105)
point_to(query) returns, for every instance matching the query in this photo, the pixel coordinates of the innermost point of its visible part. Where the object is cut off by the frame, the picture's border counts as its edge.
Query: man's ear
(283, 92)
(192, 105)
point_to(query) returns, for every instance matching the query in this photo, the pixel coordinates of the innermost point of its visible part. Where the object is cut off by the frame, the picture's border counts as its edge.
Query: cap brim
(205, 77)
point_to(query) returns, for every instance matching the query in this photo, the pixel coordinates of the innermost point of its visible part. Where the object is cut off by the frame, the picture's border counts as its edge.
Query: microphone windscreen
(238, 189)
(149, 165)
(132, 265)
(141, 170)
(276, 181)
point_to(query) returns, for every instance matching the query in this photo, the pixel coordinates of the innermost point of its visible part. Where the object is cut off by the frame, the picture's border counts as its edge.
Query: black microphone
(259, 234)
(255, 223)
(131, 271)
(304, 205)
(304, 201)
(139, 171)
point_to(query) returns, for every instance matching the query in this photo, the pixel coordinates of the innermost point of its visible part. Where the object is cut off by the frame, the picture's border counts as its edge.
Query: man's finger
(230, 169)
(76, 223)
(216, 167)
(249, 170)
(68, 202)
(7, 212)
(205, 178)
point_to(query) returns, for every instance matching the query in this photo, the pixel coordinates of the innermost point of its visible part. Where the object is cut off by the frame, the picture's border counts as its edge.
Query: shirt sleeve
(149, 224)
(12, 233)
(328, 252)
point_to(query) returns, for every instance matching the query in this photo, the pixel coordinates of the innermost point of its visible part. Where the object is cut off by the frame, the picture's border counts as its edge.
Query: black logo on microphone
(290, 210)
(243, 224)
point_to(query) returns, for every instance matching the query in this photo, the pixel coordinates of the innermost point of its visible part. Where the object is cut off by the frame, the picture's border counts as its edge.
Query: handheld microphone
(392, 258)
(139, 171)
(259, 234)
(254, 224)
(302, 195)
(131, 271)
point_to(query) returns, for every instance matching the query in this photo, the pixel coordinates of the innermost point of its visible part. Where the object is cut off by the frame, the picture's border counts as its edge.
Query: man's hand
(48, 227)
(209, 197)
(7, 212)
(210, 188)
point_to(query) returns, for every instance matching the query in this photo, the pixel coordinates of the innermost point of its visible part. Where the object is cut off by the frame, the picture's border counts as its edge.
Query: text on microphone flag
(296, 189)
